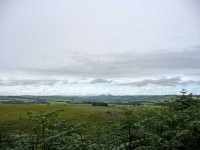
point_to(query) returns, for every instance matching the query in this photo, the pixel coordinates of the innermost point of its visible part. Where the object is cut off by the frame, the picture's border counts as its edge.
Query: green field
(173, 124)
(11, 112)
(16, 114)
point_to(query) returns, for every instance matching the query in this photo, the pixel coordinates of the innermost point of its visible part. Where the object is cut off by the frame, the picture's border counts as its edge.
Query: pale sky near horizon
(92, 47)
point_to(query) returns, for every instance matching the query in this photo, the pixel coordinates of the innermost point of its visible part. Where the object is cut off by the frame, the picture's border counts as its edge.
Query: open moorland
(126, 122)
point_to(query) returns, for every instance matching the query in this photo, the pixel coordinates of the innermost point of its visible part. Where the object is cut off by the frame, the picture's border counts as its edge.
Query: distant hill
(106, 98)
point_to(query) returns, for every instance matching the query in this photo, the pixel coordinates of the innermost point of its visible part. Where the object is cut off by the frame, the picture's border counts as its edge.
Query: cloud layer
(155, 63)
(88, 47)
(99, 80)
(160, 82)
(27, 82)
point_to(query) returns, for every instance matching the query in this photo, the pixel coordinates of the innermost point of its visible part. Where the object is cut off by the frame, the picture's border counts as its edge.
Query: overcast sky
(92, 47)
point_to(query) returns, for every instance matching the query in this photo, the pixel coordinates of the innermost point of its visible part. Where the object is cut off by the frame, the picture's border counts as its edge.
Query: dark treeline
(99, 104)
(23, 102)
(83, 99)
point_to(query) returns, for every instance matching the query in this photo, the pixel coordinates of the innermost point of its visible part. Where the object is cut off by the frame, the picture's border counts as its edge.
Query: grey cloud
(75, 82)
(27, 82)
(99, 80)
(65, 82)
(178, 37)
(129, 64)
(162, 82)
(1, 82)
(83, 79)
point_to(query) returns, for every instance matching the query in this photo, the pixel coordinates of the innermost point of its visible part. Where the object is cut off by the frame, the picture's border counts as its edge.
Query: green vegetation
(174, 125)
